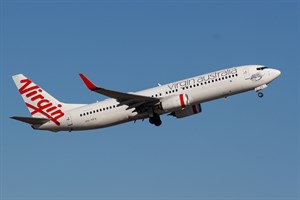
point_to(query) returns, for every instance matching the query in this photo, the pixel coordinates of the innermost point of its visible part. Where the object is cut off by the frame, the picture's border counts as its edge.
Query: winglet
(88, 83)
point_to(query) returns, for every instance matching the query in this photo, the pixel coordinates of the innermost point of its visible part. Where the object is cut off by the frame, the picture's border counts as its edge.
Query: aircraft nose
(276, 73)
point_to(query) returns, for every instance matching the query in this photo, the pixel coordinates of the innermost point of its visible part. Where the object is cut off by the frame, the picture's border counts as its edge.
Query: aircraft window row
(208, 82)
(171, 91)
(98, 110)
(156, 95)
(167, 92)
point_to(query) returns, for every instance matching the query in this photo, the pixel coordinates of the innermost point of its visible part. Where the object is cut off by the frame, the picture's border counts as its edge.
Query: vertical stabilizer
(40, 103)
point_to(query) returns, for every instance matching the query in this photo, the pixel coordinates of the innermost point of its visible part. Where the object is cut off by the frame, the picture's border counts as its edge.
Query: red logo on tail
(43, 105)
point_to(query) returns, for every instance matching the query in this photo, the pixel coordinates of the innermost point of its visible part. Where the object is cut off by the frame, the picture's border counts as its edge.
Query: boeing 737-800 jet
(179, 99)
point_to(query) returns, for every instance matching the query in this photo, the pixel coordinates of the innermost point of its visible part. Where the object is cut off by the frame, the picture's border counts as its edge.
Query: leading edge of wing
(120, 96)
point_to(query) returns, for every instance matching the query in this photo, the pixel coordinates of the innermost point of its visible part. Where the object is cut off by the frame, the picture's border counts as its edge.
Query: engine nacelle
(188, 111)
(175, 102)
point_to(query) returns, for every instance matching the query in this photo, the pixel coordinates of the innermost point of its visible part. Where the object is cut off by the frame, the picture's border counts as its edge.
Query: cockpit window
(261, 68)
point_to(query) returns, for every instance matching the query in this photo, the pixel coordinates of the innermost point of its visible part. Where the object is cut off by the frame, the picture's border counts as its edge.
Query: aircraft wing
(132, 100)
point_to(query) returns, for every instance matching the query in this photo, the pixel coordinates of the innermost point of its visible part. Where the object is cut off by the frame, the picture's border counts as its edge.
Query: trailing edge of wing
(120, 96)
(31, 120)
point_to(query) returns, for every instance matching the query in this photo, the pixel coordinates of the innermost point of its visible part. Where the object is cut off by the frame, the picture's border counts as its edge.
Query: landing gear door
(69, 120)
(246, 73)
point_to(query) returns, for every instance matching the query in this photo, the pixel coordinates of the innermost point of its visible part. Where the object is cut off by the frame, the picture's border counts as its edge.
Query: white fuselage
(199, 89)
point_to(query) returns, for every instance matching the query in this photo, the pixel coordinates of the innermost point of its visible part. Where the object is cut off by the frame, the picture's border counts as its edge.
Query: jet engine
(188, 111)
(176, 102)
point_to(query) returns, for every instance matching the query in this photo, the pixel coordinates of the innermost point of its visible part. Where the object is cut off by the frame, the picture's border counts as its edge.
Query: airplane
(179, 99)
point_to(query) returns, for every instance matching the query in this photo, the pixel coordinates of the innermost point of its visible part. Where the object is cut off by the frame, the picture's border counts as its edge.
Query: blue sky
(240, 148)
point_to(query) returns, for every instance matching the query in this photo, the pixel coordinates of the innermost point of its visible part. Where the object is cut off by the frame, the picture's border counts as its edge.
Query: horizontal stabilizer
(31, 120)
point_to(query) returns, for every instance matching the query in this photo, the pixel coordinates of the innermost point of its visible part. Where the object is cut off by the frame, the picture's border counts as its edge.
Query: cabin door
(69, 120)
(246, 73)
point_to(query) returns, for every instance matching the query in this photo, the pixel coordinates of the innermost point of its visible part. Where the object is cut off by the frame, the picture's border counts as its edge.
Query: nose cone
(276, 73)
